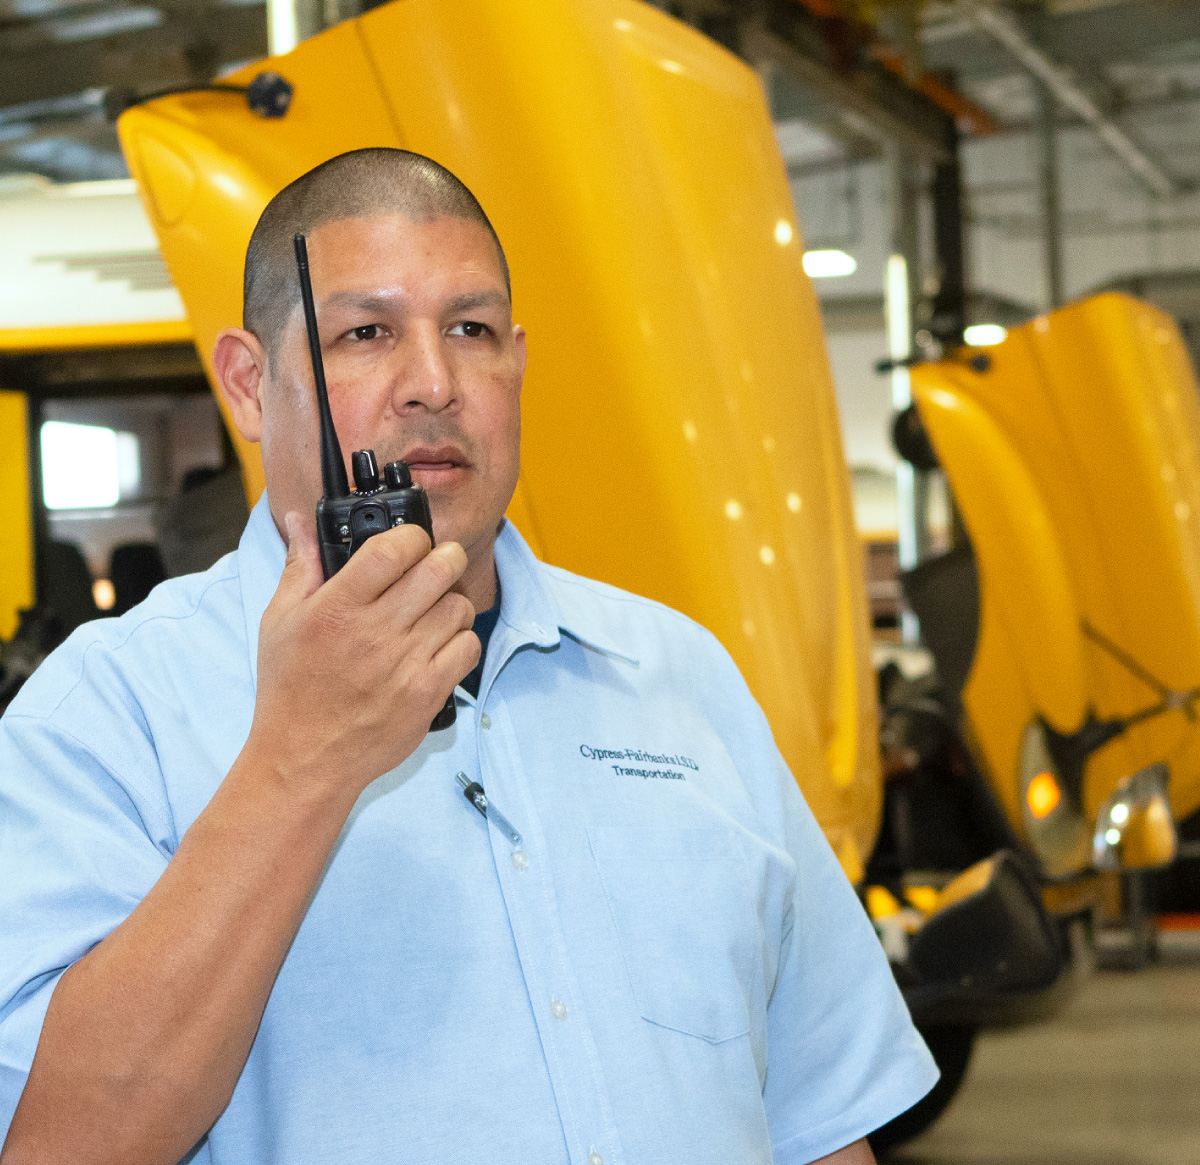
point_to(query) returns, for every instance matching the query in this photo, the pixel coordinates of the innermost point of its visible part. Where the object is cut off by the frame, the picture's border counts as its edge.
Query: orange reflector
(1043, 795)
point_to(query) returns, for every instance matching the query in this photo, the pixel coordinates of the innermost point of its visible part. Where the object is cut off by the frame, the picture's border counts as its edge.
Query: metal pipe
(1005, 31)
(1052, 240)
(949, 307)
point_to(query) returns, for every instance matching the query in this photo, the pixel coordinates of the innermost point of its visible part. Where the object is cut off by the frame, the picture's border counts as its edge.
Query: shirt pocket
(687, 920)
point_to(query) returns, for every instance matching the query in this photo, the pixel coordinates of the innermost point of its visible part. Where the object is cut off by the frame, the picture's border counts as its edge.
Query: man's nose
(425, 379)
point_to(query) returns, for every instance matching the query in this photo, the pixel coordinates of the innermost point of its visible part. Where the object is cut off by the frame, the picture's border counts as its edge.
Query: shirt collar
(548, 601)
(527, 604)
(534, 603)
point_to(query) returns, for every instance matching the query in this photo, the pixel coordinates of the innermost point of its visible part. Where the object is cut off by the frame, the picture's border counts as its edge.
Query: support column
(949, 316)
(1051, 200)
(901, 278)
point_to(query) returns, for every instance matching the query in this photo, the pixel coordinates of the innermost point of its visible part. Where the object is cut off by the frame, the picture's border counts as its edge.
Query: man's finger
(448, 615)
(424, 584)
(302, 573)
(457, 657)
(379, 563)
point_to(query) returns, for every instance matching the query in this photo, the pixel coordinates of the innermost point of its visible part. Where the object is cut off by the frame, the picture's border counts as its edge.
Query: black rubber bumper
(994, 957)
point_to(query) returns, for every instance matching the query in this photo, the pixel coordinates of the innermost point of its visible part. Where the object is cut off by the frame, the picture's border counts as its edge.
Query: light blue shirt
(671, 969)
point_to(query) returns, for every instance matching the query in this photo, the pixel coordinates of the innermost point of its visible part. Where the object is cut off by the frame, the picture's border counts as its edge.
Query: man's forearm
(146, 1036)
(857, 1154)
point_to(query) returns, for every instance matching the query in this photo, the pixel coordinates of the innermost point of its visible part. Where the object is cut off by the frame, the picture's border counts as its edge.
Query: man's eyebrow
(363, 301)
(372, 302)
(471, 299)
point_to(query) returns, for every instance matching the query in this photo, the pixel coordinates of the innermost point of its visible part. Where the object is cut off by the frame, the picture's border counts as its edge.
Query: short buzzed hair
(357, 184)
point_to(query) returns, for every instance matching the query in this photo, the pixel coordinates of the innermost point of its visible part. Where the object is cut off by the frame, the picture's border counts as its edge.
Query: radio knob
(366, 470)
(397, 475)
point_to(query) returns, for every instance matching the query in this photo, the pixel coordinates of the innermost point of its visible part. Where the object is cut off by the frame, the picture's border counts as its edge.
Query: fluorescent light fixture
(87, 466)
(828, 264)
(985, 335)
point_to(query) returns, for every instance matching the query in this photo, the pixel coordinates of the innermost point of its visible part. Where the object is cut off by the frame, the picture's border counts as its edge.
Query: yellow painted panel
(680, 431)
(61, 338)
(1021, 563)
(16, 544)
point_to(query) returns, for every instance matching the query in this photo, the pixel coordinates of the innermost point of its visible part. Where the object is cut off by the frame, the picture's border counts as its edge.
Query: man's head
(422, 359)
(360, 184)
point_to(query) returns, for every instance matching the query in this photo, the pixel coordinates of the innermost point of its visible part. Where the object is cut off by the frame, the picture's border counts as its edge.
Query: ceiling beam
(176, 52)
(1005, 31)
(788, 37)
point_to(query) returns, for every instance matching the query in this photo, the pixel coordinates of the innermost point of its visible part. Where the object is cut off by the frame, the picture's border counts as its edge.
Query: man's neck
(478, 583)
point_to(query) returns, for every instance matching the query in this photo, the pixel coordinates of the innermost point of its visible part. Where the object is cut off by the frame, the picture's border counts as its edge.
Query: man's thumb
(302, 572)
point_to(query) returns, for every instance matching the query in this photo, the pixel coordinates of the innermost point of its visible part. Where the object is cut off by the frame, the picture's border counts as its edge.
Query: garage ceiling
(58, 56)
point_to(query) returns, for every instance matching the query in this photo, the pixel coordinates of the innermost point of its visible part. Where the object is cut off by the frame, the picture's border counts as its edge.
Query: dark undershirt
(484, 625)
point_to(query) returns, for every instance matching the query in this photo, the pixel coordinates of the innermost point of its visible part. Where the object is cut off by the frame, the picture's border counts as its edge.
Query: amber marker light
(1043, 795)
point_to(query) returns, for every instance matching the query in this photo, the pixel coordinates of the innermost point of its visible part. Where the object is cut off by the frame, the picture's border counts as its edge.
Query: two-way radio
(345, 518)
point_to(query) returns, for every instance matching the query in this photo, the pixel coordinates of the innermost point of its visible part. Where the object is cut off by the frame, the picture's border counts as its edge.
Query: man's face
(422, 361)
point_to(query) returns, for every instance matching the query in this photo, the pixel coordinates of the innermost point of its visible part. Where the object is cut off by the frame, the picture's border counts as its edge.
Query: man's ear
(240, 365)
(522, 353)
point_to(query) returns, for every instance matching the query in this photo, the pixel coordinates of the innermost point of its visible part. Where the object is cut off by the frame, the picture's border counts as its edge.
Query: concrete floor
(1113, 1080)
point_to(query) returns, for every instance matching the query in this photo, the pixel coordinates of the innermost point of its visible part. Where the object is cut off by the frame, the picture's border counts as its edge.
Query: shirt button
(485, 720)
(558, 1009)
(595, 1159)
(520, 859)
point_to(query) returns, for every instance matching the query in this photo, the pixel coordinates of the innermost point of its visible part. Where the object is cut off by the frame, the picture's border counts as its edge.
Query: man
(248, 915)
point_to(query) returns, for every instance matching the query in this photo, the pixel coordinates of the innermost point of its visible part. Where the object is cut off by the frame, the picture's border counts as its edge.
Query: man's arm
(146, 1036)
(857, 1154)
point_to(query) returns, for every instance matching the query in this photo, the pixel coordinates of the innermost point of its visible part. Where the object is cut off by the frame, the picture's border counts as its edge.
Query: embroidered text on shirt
(590, 752)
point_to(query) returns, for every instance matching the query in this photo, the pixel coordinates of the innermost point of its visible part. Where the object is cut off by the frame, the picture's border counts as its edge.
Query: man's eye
(470, 328)
(367, 332)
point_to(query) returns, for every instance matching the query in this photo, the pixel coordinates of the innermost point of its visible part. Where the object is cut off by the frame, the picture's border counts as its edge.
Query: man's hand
(351, 672)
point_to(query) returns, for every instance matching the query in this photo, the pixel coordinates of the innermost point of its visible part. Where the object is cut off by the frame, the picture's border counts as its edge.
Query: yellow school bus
(1073, 452)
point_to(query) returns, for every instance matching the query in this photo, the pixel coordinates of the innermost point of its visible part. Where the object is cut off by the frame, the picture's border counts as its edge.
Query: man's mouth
(436, 462)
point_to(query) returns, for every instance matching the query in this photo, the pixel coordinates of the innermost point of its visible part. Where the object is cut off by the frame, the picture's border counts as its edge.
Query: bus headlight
(1134, 828)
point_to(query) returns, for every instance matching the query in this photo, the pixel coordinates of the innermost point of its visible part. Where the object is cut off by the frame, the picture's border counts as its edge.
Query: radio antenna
(334, 482)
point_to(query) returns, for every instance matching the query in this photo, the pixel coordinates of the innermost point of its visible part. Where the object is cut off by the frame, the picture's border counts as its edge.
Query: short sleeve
(844, 1056)
(79, 849)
